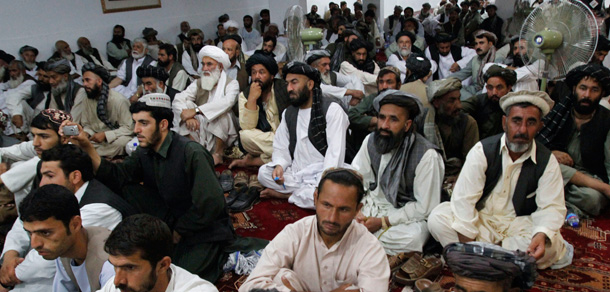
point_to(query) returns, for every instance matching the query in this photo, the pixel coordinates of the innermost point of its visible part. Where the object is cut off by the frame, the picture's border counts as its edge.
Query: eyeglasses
(354, 173)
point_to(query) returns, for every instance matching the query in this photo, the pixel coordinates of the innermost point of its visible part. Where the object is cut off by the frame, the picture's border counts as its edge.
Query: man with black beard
(189, 58)
(260, 107)
(403, 173)
(251, 36)
(339, 50)
(577, 130)
(310, 138)
(177, 76)
(87, 54)
(28, 56)
(25, 103)
(119, 48)
(106, 118)
(232, 46)
(448, 56)
(360, 65)
(454, 26)
(145, 243)
(66, 95)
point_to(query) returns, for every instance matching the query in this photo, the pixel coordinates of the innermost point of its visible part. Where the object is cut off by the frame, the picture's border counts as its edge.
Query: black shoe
(245, 200)
(234, 194)
(226, 180)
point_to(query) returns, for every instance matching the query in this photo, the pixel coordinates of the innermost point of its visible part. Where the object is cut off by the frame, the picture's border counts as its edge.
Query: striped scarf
(317, 123)
(555, 120)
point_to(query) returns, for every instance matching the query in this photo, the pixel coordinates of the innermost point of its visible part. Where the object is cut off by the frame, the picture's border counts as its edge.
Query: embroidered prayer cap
(537, 98)
(418, 65)
(263, 58)
(409, 34)
(149, 31)
(400, 98)
(194, 31)
(301, 68)
(230, 23)
(438, 88)
(97, 70)
(488, 34)
(215, 53)
(152, 71)
(358, 44)
(490, 262)
(597, 71)
(509, 76)
(157, 100)
(443, 37)
(315, 55)
(59, 66)
(6, 57)
(27, 48)
(234, 37)
(56, 116)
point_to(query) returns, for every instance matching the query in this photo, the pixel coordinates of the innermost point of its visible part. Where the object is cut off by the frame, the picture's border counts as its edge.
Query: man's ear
(76, 223)
(163, 265)
(164, 124)
(315, 197)
(75, 177)
(408, 125)
(310, 84)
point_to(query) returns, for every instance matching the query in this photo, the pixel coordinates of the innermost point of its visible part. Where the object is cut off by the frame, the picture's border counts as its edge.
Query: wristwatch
(197, 111)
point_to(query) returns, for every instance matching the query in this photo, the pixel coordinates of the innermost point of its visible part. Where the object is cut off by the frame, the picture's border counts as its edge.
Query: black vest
(176, 68)
(456, 53)
(592, 138)
(333, 78)
(174, 186)
(527, 182)
(128, 69)
(95, 54)
(97, 192)
(72, 90)
(36, 96)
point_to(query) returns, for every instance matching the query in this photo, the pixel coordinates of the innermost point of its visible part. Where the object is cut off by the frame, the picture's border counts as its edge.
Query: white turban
(231, 23)
(215, 53)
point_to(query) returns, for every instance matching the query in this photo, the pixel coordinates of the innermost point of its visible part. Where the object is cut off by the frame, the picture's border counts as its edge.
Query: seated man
(118, 48)
(360, 65)
(28, 56)
(403, 173)
(404, 41)
(66, 95)
(447, 127)
(190, 61)
(311, 137)
(271, 45)
(19, 81)
(237, 70)
(578, 132)
(327, 251)
(177, 76)
(51, 217)
(140, 249)
(150, 35)
(63, 51)
(448, 56)
(106, 118)
(486, 53)
(25, 103)
(203, 110)
(68, 166)
(87, 54)
(153, 80)
(347, 88)
(418, 72)
(485, 107)
(492, 200)
(125, 82)
(363, 117)
(260, 107)
(188, 197)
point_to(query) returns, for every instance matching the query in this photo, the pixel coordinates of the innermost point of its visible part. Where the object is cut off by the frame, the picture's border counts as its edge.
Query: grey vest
(172, 74)
(417, 151)
(96, 257)
(527, 182)
(128, 69)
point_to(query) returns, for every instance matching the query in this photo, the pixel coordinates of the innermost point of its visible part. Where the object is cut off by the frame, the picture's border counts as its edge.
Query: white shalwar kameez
(132, 86)
(344, 82)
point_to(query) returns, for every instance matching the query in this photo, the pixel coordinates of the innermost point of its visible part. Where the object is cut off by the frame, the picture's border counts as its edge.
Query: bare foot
(247, 161)
(217, 159)
(270, 193)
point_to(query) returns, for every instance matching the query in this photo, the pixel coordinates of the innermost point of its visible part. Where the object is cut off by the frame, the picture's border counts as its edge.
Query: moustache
(521, 136)
(331, 223)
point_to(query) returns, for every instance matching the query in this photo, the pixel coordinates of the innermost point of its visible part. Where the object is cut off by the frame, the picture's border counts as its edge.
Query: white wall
(41, 23)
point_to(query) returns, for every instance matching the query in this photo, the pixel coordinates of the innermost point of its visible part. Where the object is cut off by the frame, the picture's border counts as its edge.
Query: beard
(60, 88)
(146, 286)
(156, 90)
(208, 82)
(197, 47)
(2, 73)
(585, 106)
(94, 92)
(518, 61)
(326, 78)
(13, 83)
(264, 85)
(68, 57)
(299, 99)
(29, 65)
(163, 64)
(449, 118)
(405, 52)
(137, 55)
(117, 38)
(43, 85)
(87, 51)
(385, 144)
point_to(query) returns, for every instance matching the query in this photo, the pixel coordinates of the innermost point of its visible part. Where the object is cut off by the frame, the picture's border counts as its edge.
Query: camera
(71, 130)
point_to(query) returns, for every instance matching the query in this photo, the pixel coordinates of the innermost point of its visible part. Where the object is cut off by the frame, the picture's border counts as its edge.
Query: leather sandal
(417, 268)
(254, 183)
(396, 261)
(241, 179)
(425, 285)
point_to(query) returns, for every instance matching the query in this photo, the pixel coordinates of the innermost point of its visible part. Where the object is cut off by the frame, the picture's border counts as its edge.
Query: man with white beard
(28, 56)
(24, 103)
(346, 88)
(18, 79)
(203, 110)
(404, 40)
(66, 95)
(4, 60)
(125, 82)
(153, 80)
(87, 54)
(63, 50)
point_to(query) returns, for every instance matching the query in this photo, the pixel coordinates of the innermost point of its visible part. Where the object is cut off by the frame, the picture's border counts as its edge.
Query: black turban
(315, 55)
(419, 67)
(599, 72)
(442, 37)
(602, 43)
(409, 34)
(97, 70)
(152, 71)
(6, 57)
(301, 68)
(357, 44)
(509, 76)
(263, 58)
(485, 261)
(233, 37)
(28, 48)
